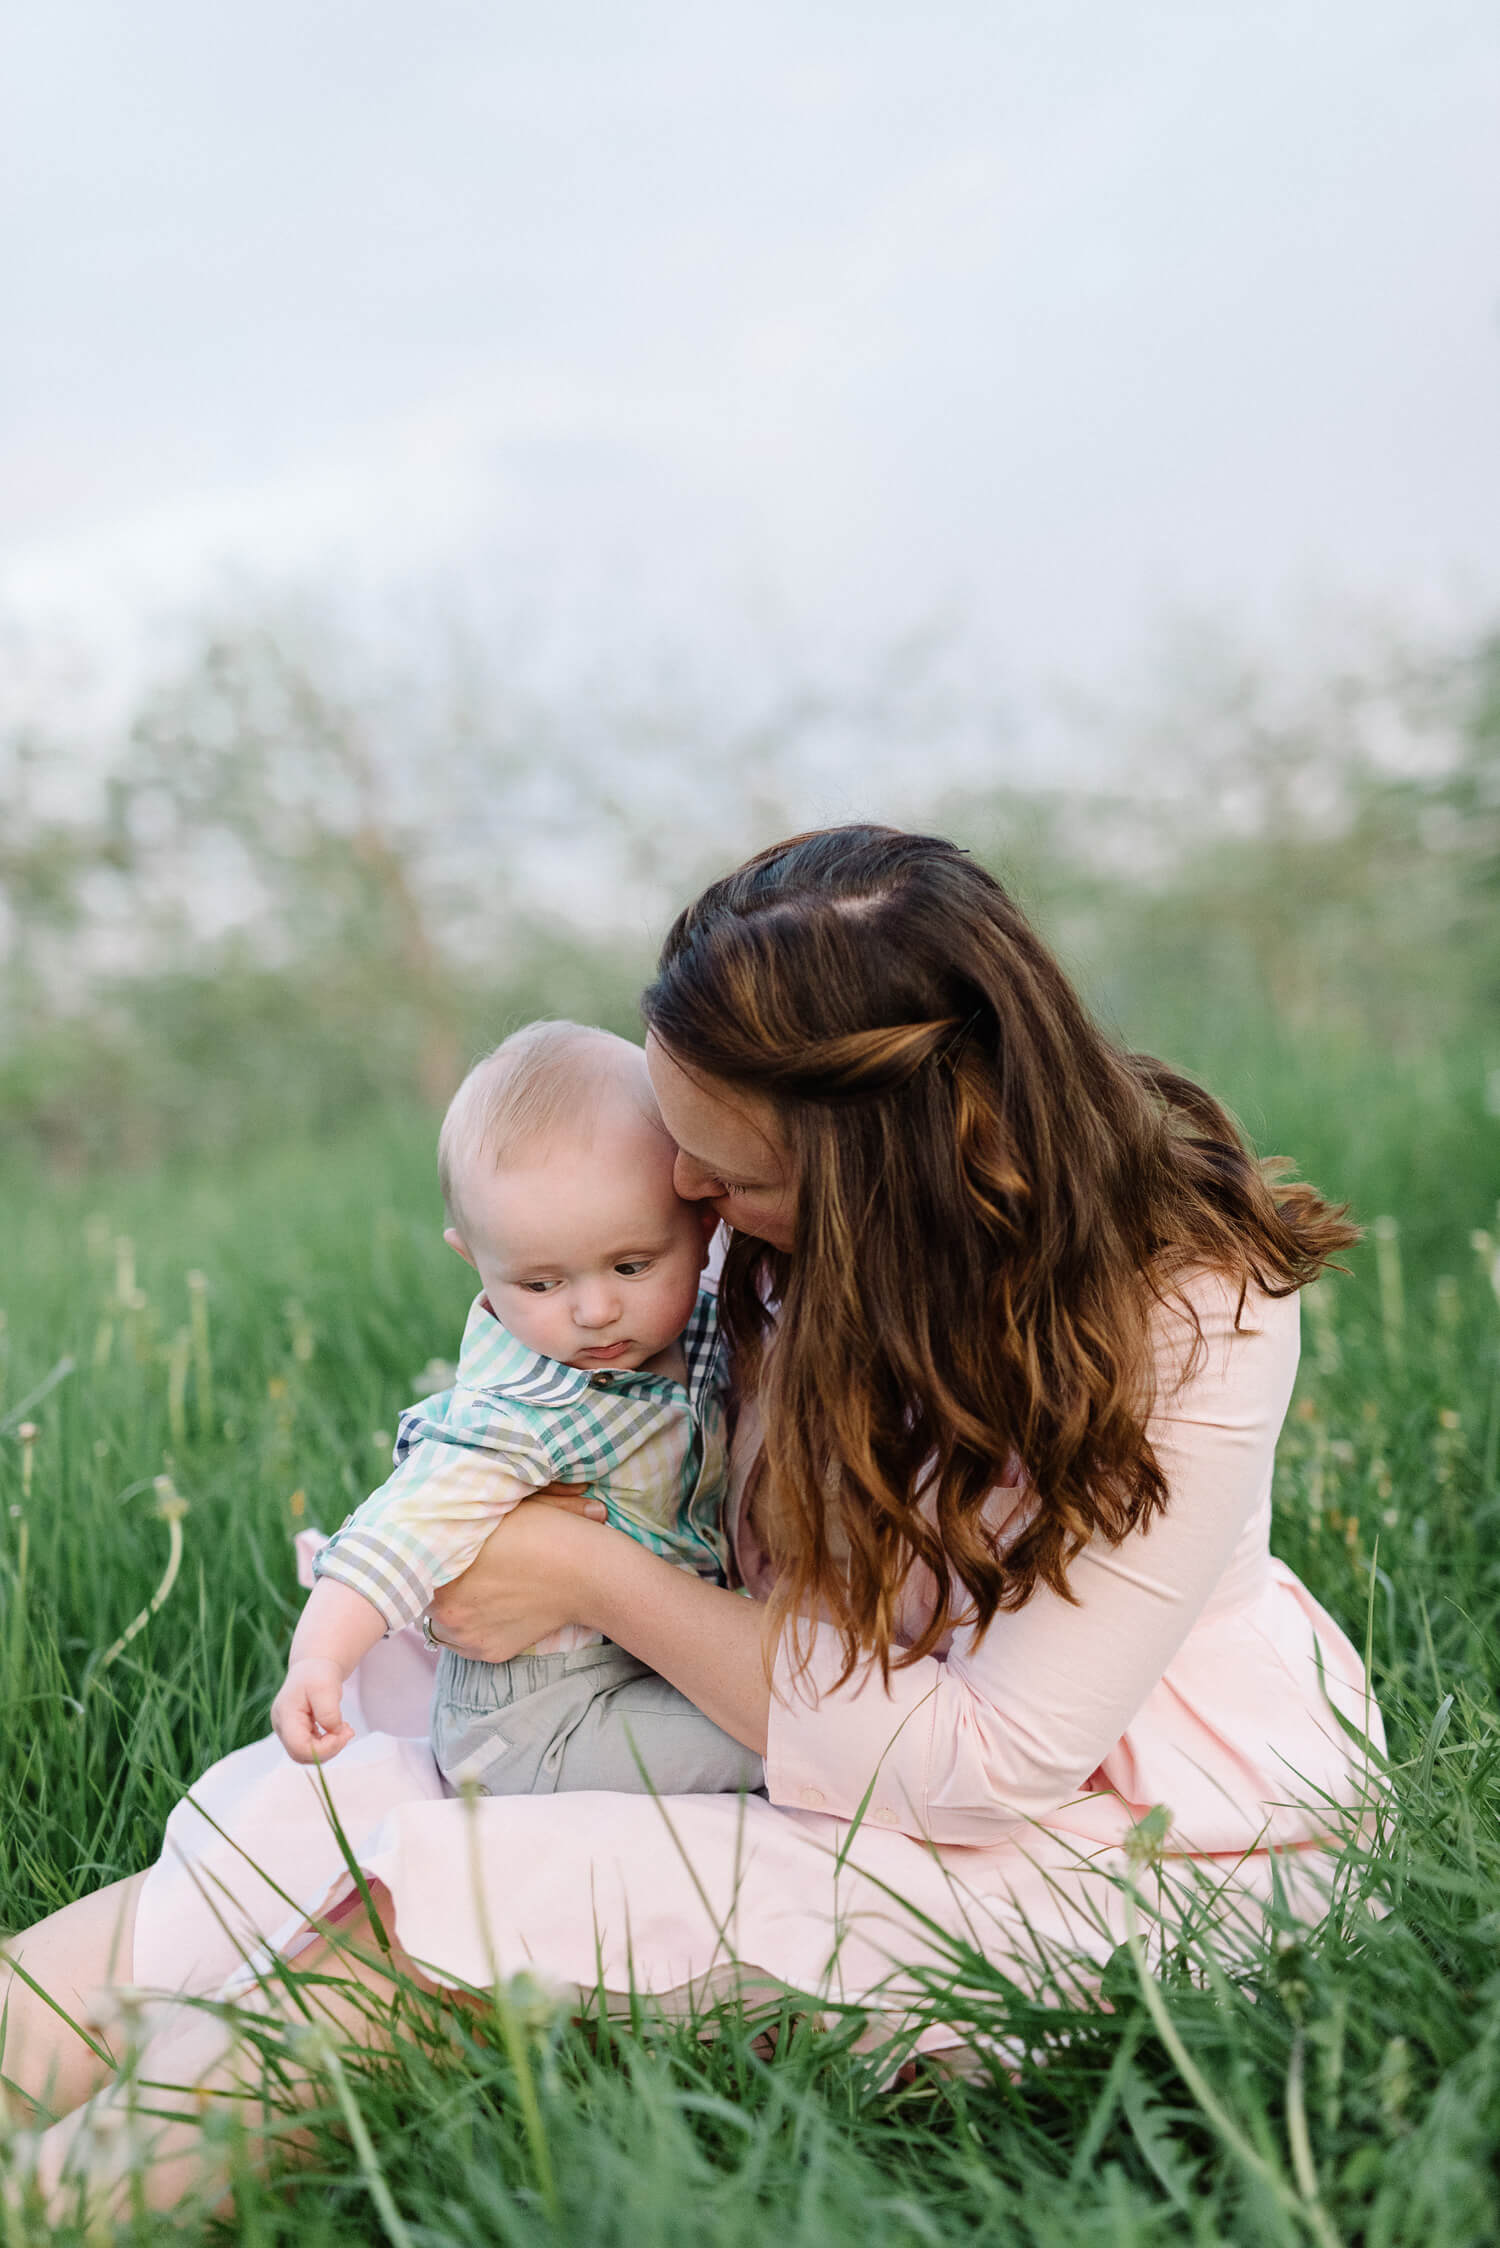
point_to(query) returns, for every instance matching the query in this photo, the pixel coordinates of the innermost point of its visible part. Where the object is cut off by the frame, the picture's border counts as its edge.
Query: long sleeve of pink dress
(986, 1797)
(1187, 1672)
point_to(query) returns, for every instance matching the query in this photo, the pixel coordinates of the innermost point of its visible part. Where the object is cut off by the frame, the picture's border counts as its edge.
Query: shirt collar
(491, 1359)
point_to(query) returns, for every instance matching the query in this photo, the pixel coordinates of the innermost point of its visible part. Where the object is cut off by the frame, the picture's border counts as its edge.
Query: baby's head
(556, 1171)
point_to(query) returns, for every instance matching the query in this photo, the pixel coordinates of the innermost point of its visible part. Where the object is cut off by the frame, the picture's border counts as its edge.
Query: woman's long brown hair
(991, 1200)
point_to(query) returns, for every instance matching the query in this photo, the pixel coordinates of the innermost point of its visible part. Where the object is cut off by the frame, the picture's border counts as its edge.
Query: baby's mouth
(601, 1353)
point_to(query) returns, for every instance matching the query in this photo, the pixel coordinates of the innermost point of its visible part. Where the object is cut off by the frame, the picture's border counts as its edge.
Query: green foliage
(1370, 2044)
(283, 907)
(296, 887)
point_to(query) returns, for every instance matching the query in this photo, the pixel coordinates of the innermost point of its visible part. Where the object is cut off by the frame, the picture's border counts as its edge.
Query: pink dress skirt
(984, 1802)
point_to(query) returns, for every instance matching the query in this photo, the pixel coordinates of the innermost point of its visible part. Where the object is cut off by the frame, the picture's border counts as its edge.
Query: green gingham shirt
(652, 1451)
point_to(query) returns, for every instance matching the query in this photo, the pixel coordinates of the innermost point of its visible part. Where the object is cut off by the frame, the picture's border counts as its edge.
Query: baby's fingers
(329, 1743)
(309, 1724)
(292, 1721)
(328, 1732)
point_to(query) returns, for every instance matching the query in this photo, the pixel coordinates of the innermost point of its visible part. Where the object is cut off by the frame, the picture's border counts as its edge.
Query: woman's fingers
(573, 1498)
(528, 1579)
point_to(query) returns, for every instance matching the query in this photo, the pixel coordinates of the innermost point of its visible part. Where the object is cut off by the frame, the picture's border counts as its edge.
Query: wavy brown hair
(991, 1199)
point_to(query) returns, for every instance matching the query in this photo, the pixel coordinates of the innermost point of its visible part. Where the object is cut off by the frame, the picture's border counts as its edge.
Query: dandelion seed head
(1145, 1841)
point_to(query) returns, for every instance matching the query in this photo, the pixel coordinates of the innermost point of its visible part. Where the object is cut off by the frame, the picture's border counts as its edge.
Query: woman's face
(729, 1153)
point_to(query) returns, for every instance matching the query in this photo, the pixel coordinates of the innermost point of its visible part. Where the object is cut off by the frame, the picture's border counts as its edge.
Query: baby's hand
(308, 1712)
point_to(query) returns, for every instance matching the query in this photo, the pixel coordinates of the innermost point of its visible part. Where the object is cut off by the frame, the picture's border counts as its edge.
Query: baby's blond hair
(540, 1078)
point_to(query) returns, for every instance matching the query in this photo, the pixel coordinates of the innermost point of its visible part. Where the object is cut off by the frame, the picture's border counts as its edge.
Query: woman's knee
(60, 1970)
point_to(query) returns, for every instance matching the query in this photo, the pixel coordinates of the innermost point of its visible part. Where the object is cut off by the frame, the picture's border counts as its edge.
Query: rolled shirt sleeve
(429, 1519)
(1004, 1730)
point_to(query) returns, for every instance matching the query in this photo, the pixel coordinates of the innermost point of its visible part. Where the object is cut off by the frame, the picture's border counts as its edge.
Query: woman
(1014, 1326)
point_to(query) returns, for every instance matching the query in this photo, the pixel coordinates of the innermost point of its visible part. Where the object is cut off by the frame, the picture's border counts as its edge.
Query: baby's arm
(420, 1529)
(338, 1628)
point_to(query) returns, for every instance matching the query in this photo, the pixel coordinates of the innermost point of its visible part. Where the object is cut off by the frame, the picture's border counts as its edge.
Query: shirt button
(812, 1798)
(883, 1815)
(601, 1381)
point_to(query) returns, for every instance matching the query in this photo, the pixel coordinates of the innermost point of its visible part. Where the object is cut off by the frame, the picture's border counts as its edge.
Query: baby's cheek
(676, 1306)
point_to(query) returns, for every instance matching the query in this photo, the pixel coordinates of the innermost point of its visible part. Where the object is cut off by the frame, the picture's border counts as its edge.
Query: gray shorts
(595, 1718)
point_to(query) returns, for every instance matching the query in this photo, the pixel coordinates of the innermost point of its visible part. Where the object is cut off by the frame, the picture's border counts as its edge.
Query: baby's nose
(596, 1306)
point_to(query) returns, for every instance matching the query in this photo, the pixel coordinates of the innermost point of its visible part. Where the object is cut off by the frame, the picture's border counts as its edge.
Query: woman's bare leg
(151, 2129)
(73, 1955)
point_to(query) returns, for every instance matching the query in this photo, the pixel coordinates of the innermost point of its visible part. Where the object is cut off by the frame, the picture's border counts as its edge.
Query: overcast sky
(1049, 317)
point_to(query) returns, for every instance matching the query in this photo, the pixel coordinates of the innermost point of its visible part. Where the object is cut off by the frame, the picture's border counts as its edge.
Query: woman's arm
(962, 1748)
(544, 1567)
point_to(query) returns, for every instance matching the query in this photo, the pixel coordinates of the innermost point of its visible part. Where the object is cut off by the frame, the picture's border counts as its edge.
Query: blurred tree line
(284, 888)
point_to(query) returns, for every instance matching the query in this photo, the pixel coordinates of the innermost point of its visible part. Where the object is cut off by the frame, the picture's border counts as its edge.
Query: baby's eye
(633, 1265)
(537, 1287)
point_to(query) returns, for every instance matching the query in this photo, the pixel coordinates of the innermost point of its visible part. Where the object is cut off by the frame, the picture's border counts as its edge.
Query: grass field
(1346, 2090)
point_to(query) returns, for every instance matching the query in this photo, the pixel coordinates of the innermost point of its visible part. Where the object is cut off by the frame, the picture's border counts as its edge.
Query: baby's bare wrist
(300, 1665)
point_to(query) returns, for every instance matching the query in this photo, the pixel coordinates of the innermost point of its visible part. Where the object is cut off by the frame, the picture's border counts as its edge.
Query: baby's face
(586, 1251)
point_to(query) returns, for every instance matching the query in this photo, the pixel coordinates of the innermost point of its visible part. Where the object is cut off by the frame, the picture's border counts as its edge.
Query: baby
(591, 1356)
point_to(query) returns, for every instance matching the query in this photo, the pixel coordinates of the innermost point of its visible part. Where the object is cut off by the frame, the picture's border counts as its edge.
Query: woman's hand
(549, 1565)
(571, 1498)
(530, 1577)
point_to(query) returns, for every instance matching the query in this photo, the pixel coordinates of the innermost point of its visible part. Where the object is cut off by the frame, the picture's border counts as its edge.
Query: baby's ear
(455, 1240)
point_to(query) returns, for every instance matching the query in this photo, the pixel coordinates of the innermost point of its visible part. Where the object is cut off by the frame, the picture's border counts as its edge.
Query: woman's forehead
(725, 1127)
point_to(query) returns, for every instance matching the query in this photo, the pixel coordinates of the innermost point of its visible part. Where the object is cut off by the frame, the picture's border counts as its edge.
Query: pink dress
(999, 1781)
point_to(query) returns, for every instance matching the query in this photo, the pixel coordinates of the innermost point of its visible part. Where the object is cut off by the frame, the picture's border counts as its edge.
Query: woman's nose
(691, 1181)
